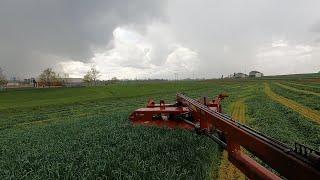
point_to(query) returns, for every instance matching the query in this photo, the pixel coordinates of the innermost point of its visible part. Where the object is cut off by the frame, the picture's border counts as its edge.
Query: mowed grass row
(279, 121)
(102, 143)
(227, 169)
(297, 89)
(276, 120)
(308, 86)
(308, 100)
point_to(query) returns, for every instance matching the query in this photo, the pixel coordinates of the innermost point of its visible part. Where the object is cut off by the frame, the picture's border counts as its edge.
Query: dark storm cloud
(316, 27)
(228, 35)
(37, 33)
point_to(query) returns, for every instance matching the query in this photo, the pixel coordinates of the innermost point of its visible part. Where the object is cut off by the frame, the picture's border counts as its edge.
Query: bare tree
(48, 77)
(3, 79)
(95, 74)
(65, 75)
(92, 76)
(114, 80)
(87, 78)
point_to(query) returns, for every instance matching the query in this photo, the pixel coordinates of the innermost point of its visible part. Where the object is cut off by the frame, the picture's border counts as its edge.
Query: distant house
(28, 81)
(72, 82)
(16, 83)
(255, 74)
(13, 84)
(240, 75)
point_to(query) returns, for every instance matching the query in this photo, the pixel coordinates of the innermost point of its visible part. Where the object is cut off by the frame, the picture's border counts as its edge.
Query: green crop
(93, 138)
(77, 133)
(311, 101)
(314, 87)
(281, 123)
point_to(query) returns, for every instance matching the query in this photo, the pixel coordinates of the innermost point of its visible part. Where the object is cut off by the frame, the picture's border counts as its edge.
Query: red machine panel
(206, 118)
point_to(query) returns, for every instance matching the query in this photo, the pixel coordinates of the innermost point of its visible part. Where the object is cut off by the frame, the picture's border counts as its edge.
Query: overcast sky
(158, 39)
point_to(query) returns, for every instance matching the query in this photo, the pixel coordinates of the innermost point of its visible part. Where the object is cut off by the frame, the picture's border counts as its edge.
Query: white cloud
(127, 37)
(283, 57)
(73, 68)
(279, 43)
(139, 56)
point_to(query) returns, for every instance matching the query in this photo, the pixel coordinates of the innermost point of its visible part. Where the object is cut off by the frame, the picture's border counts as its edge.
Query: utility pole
(176, 76)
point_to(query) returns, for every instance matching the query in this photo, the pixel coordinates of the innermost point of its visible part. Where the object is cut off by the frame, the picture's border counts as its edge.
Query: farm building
(17, 83)
(240, 75)
(255, 74)
(72, 82)
(12, 84)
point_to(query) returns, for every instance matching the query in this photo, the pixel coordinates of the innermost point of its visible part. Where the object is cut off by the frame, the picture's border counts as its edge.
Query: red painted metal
(160, 115)
(206, 118)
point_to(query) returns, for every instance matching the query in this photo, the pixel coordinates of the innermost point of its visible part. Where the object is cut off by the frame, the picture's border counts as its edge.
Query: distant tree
(87, 78)
(92, 76)
(65, 75)
(114, 80)
(3, 79)
(48, 77)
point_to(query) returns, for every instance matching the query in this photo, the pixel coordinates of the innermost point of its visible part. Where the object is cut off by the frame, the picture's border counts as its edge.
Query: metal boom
(207, 119)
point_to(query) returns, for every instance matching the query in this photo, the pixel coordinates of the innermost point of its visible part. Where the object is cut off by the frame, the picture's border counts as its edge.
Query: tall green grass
(85, 133)
(92, 138)
(53, 96)
(104, 146)
(308, 100)
(280, 122)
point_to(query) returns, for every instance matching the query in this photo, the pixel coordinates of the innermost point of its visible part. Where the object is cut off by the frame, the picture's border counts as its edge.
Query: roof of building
(241, 73)
(254, 72)
(72, 80)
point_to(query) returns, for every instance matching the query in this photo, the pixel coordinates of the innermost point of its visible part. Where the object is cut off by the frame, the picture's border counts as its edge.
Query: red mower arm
(206, 118)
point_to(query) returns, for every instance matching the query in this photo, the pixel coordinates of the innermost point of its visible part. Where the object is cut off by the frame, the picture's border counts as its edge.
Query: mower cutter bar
(206, 118)
(277, 155)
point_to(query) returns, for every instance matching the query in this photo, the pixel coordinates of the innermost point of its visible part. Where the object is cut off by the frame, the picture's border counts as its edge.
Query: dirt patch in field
(227, 169)
(297, 90)
(304, 111)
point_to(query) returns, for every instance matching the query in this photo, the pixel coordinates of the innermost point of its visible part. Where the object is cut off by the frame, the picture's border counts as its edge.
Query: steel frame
(206, 118)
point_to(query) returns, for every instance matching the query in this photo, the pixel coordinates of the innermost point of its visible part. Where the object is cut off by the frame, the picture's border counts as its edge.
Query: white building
(72, 82)
(13, 85)
(240, 75)
(255, 74)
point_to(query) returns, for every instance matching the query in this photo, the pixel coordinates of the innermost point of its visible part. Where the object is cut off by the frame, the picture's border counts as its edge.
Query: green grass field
(85, 133)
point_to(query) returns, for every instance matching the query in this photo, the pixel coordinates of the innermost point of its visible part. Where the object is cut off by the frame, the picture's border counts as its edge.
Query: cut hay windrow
(304, 111)
(227, 169)
(297, 90)
(307, 86)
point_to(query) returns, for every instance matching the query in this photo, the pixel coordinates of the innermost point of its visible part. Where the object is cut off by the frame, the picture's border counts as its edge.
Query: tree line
(3, 79)
(49, 77)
